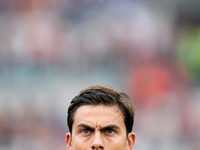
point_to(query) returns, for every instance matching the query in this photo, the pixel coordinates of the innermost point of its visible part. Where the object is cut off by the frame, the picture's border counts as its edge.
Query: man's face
(99, 128)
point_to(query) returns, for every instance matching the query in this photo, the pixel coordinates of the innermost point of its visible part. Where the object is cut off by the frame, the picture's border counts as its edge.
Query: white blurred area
(52, 49)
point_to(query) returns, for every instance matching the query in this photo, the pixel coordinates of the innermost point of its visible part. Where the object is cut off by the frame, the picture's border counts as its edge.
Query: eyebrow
(112, 126)
(85, 126)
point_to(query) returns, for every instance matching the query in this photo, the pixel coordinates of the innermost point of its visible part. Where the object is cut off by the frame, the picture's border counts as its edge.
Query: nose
(97, 143)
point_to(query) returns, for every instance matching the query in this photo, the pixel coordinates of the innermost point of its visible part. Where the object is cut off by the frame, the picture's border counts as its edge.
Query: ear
(131, 140)
(68, 141)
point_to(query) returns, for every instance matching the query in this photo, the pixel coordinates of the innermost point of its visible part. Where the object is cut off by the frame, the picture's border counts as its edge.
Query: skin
(99, 127)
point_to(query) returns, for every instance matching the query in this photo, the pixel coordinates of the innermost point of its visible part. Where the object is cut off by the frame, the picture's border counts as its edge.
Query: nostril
(100, 147)
(97, 147)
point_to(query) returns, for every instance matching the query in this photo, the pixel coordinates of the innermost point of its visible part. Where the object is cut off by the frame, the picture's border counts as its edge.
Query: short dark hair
(102, 94)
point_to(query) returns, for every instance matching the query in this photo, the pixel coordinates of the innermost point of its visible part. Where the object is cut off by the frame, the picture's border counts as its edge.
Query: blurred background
(52, 49)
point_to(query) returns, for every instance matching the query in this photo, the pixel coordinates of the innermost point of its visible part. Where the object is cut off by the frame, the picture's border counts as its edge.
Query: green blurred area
(188, 50)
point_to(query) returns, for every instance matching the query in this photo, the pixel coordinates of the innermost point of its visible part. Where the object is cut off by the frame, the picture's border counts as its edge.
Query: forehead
(98, 115)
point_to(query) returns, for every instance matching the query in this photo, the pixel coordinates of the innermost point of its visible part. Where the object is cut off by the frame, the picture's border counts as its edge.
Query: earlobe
(131, 140)
(68, 141)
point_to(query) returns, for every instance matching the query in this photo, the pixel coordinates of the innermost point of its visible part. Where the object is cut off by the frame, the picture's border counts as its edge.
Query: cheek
(80, 144)
(117, 144)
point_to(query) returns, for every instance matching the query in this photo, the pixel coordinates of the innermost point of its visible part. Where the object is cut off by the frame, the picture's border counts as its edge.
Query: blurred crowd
(51, 49)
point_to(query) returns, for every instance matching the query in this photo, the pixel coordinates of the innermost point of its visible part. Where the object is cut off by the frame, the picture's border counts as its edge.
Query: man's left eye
(110, 131)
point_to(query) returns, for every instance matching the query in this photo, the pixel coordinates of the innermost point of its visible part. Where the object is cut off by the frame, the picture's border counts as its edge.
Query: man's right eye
(85, 131)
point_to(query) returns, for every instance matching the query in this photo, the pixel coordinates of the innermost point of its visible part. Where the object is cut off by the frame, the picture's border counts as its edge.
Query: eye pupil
(110, 131)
